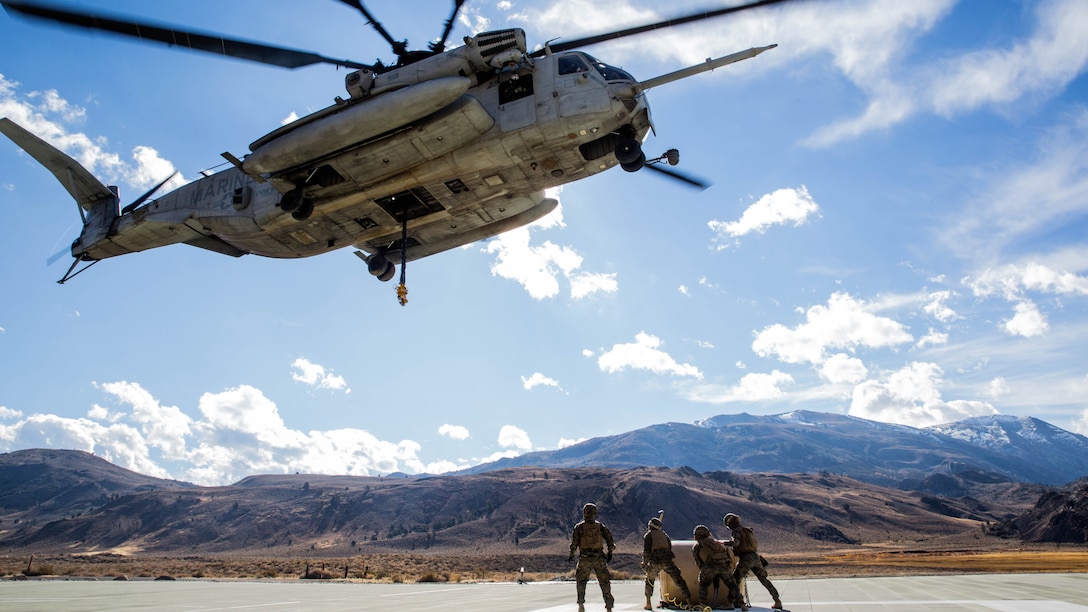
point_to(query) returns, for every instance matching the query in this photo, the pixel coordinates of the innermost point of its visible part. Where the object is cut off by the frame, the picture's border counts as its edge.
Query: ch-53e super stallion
(441, 149)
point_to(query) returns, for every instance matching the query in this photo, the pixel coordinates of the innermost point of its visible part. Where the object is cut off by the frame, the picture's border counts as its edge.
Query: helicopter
(442, 148)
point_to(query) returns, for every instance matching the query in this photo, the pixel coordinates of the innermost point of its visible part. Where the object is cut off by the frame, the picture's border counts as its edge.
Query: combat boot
(581, 608)
(777, 604)
(649, 605)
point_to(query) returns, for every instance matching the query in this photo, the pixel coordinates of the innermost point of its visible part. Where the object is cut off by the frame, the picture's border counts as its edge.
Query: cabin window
(572, 64)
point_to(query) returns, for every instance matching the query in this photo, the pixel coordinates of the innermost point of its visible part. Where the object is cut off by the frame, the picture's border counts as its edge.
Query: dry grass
(405, 567)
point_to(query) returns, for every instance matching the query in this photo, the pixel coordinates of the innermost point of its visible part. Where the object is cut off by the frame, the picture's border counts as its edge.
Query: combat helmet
(701, 531)
(589, 512)
(731, 520)
(654, 523)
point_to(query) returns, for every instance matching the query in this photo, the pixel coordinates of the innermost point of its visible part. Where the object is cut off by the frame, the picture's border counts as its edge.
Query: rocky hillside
(498, 512)
(1059, 516)
(47, 484)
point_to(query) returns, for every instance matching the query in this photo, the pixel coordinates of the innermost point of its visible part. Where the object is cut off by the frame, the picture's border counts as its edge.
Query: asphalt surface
(990, 592)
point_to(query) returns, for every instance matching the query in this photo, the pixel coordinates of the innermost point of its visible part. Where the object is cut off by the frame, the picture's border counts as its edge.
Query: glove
(570, 559)
(608, 556)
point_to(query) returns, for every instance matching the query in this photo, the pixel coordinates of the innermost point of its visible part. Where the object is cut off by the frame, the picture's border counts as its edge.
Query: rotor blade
(399, 46)
(592, 40)
(52, 259)
(210, 43)
(440, 46)
(140, 200)
(700, 185)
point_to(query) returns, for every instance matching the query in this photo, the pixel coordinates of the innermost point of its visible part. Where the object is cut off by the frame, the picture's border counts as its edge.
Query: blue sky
(896, 230)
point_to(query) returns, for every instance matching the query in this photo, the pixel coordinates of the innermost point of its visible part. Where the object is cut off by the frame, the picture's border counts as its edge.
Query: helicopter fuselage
(477, 167)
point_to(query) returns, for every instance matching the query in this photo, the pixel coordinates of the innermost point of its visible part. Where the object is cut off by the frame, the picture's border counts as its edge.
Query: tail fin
(98, 204)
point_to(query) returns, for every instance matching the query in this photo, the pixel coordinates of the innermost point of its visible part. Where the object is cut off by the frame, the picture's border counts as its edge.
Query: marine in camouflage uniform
(657, 557)
(745, 545)
(715, 562)
(590, 538)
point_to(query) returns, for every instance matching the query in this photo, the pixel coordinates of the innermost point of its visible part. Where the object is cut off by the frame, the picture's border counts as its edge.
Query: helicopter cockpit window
(610, 73)
(572, 64)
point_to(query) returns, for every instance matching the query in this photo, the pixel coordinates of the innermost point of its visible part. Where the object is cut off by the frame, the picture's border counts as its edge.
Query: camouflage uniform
(715, 562)
(657, 557)
(747, 548)
(590, 538)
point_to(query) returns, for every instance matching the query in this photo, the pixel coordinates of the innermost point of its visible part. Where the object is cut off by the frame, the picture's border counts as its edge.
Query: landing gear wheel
(636, 165)
(390, 272)
(291, 200)
(628, 151)
(377, 264)
(304, 210)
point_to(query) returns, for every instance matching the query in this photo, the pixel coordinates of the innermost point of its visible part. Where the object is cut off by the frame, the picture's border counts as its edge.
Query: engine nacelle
(482, 53)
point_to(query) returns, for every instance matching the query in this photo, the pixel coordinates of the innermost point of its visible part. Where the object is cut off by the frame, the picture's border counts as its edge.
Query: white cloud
(565, 442)
(1027, 322)
(684, 290)
(1080, 425)
(8, 413)
(932, 337)
(1013, 281)
(514, 437)
(842, 368)
(537, 379)
(845, 323)
(118, 443)
(538, 268)
(456, 432)
(50, 117)
(240, 432)
(781, 207)
(937, 308)
(752, 387)
(317, 376)
(587, 353)
(998, 387)
(644, 354)
(1053, 55)
(911, 396)
(164, 427)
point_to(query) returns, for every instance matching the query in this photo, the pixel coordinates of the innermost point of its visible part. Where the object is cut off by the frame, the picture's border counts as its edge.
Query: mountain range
(1021, 449)
(811, 481)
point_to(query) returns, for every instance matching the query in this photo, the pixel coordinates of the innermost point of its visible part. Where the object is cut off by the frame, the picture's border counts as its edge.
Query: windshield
(610, 73)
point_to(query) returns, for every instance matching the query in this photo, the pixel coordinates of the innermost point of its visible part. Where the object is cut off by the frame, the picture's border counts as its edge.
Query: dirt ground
(393, 567)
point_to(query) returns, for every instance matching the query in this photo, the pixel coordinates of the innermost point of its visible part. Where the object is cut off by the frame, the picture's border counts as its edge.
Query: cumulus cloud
(53, 119)
(644, 354)
(538, 268)
(1027, 322)
(842, 368)
(932, 337)
(455, 432)
(937, 308)
(537, 379)
(239, 433)
(317, 376)
(514, 437)
(565, 442)
(752, 387)
(844, 323)
(8, 413)
(911, 396)
(781, 207)
(1080, 425)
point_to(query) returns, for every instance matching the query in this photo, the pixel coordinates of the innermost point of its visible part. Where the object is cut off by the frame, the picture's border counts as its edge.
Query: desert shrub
(432, 577)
